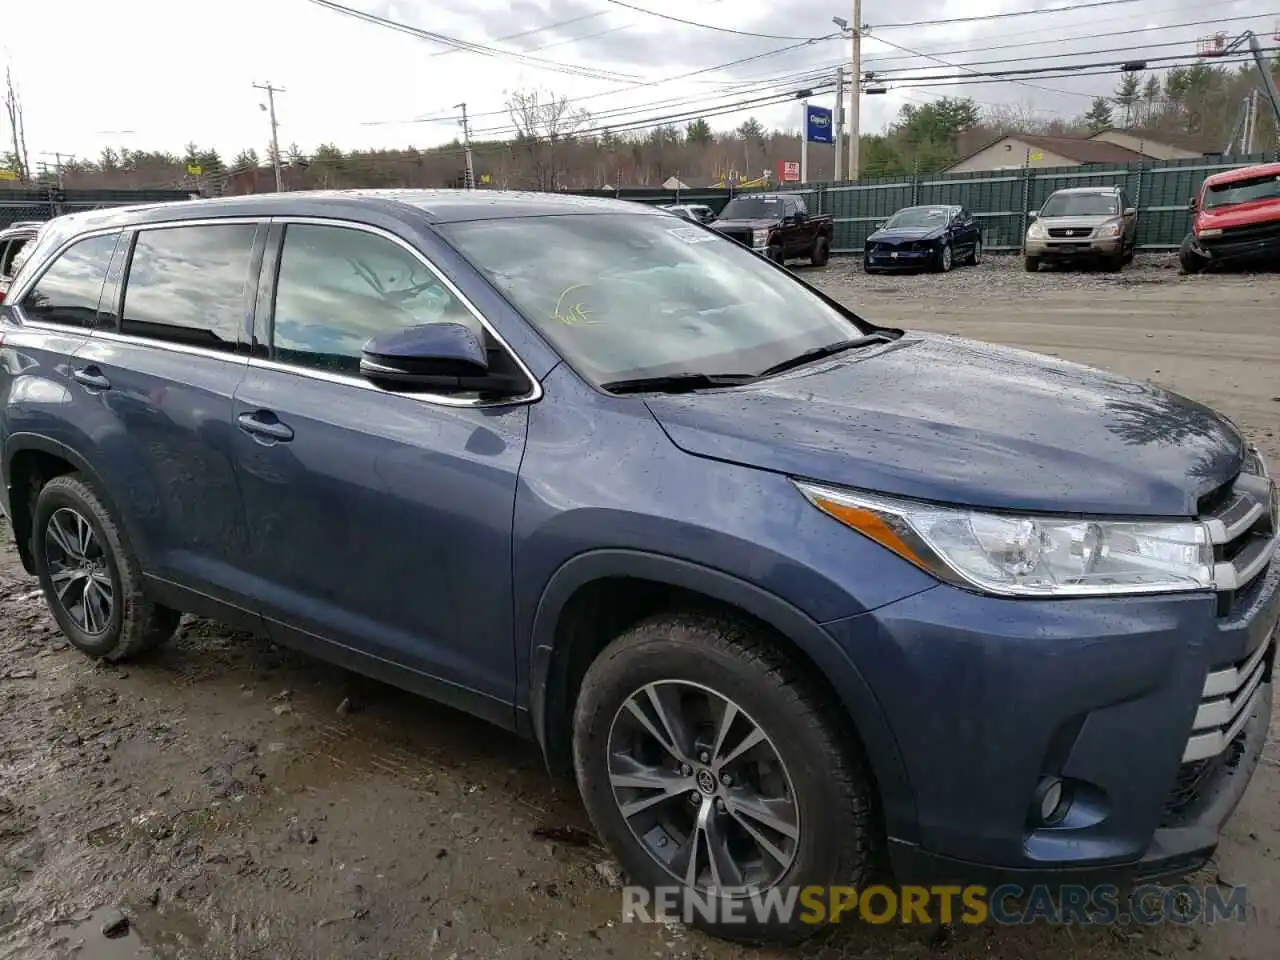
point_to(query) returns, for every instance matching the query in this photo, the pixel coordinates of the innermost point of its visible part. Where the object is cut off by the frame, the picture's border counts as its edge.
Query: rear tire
(92, 583)
(803, 770)
(1191, 261)
(1031, 264)
(821, 252)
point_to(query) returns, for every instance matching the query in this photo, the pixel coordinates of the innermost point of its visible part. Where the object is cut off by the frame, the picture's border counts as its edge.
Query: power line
(629, 86)
(472, 47)
(1001, 16)
(703, 26)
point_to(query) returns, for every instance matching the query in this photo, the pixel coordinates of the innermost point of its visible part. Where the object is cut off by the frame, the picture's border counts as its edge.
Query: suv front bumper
(1084, 248)
(987, 697)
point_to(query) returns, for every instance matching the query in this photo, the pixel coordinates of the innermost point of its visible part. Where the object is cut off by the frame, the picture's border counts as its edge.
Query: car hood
(941, 418)
(900, 234)
(1239, 215)
(756, 224)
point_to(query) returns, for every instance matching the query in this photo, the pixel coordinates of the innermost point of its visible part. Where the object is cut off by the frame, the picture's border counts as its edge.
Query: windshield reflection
(625, 296)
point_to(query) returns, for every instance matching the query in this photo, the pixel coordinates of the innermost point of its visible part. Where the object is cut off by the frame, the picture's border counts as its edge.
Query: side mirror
(1033, 215)
(430, 357)
(880, 225)
(1130, 211)
(1193, 204)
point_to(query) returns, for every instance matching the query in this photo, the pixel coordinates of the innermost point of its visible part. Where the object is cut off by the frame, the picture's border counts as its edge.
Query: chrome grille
(1243, 522)
(1228, 699)
(1244, 528)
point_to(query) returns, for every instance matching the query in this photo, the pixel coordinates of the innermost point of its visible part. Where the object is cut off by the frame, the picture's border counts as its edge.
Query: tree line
(558, 147)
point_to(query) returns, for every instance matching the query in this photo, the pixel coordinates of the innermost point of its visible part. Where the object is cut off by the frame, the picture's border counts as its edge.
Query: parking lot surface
(230, 799)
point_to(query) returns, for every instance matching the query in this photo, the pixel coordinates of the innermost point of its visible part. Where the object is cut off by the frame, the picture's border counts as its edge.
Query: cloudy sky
(155, 74)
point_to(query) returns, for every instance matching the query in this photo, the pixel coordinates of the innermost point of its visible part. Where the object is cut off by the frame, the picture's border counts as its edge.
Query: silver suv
(1092, 224)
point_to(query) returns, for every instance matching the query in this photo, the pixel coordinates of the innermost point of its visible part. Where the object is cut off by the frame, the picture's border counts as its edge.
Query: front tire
(975, 255)
(1031, 264)
(945, 259)
(91, 581)
(1191, 261)
(821, 252)
(695, 734)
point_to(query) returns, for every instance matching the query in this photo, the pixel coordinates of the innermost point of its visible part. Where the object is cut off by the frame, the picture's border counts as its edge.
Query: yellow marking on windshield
(576, 315)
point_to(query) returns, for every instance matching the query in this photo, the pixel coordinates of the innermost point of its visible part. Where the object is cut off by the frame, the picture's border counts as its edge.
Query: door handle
(92, 378)
(263, 423)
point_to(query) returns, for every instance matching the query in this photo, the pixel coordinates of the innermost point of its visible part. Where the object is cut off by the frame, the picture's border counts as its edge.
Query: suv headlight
(1108, 230)
(1028, 556)
(759, 238)
(1254, 462)
(1036, 231)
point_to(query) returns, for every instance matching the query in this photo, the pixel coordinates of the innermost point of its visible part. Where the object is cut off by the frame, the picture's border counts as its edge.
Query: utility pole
(275, 136)
(804, 140)
(466, 142)
(855, 97)
(1251, 125)
(839, 138)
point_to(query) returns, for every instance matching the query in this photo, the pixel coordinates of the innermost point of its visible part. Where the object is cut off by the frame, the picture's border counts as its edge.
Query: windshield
(919, 217)
(628, 296)
(1242, 191)
(1081, 205)
(752, 208)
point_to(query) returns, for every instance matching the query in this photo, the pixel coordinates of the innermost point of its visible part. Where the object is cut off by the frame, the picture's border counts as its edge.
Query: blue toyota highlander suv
(788, 592)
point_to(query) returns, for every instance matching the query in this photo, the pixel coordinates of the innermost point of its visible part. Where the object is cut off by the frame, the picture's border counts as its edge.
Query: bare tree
(13, 110)
(544, 123)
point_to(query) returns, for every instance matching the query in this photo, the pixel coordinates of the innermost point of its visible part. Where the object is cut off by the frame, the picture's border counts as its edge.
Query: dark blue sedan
(924, 238)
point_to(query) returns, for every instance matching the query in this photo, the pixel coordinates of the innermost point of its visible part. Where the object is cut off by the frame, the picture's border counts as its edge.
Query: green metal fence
(1000, 200)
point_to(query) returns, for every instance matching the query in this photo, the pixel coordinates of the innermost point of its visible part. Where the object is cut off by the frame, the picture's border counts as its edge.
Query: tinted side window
(800, 207)
(67, 293)
(338, 287)
(187, 285)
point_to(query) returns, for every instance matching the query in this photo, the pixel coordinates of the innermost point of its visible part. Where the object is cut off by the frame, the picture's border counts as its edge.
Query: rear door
(380, 522)
(156, 381)
(47, 322)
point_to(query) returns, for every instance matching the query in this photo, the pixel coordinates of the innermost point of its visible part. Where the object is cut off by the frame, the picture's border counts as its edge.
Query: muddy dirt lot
(233, 800)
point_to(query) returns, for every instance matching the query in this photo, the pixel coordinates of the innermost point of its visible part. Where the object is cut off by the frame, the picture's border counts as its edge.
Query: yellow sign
(485, 178)
(7, 174)
(195, 169)
(1037, 156)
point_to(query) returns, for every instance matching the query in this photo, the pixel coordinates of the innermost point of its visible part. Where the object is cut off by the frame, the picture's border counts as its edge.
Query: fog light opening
(1051, 801)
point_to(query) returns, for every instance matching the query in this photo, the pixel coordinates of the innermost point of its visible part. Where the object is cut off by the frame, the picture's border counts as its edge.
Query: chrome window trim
(15, 299)
(229, 355)
(444, 400)
(135, 228)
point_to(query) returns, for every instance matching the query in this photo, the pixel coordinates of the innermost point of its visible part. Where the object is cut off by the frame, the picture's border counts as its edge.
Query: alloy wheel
(946, 258)
(703, 789)
(79, 572)
(977, 252)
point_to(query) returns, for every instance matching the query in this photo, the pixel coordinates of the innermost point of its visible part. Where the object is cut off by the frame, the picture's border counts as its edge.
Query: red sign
(789, 171)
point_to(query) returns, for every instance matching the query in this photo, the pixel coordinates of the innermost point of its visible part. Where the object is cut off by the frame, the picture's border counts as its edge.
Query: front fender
(818, 645)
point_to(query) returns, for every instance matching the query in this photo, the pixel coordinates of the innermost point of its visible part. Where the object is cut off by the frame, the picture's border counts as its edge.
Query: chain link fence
(22, 202)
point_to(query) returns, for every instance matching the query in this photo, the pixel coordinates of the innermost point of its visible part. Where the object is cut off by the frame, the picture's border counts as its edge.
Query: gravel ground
(228, 799)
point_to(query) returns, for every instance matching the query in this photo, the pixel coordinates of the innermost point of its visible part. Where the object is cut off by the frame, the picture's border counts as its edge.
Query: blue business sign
(818, 125)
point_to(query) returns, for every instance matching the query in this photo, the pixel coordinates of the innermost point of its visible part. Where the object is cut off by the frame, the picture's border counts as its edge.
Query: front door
(380, 523)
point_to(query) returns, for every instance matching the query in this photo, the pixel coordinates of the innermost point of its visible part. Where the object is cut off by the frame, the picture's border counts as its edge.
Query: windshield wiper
(678, 382)
(818, 353)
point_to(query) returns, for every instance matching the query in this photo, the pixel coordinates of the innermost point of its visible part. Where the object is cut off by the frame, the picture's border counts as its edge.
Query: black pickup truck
(778, 226)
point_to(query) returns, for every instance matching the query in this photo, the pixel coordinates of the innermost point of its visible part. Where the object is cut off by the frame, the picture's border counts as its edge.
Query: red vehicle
(1235, 218)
